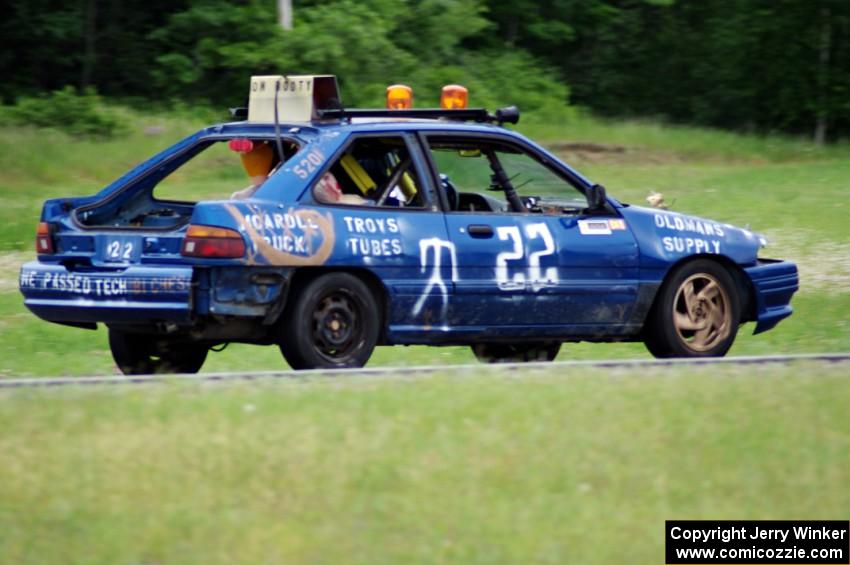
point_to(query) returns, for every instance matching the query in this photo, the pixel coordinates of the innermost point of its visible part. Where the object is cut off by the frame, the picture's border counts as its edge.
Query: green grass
(794, 192)
(553, 466)
(677, 140)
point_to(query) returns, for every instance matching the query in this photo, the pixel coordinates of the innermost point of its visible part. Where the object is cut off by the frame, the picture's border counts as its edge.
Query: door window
(486, 176)
(373, 171)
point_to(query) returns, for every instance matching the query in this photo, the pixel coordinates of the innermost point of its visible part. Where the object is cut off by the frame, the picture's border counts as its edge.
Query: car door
(548, 268)
(387, 222)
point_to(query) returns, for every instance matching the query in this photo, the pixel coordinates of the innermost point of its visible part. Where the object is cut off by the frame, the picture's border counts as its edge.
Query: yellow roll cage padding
(408, 187)
(358, 174)
(364, 181)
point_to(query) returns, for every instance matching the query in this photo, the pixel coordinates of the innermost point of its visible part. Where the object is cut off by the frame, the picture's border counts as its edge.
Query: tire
(516, 352)
(331, 322)
(696, 313)
(140, 354)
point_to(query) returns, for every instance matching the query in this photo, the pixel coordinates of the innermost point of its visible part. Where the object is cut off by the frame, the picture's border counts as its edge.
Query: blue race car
(384, 227)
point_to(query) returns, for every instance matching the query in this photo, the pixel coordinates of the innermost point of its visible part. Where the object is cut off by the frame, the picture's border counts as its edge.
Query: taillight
(209, 241)
(44, 239)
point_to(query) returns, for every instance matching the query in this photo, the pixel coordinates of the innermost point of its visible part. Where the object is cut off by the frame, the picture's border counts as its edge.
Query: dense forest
(755, 65)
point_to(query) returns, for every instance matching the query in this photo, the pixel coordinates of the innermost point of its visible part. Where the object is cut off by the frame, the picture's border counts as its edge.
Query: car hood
(668, 236)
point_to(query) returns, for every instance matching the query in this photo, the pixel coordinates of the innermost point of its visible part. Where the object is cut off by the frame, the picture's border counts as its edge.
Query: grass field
(796, 193)
(550, 466)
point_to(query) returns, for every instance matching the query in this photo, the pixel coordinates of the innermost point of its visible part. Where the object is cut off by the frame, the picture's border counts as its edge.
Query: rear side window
(373, 171)
(164, 195)
(223, 169)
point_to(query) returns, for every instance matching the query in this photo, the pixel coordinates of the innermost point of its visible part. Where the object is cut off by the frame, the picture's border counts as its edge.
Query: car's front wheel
(696, 313)
(516, 352)
(332, 322)
(140, 354)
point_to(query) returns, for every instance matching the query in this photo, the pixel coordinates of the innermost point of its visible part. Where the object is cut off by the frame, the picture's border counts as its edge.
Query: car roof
(308, 132)
(358, 125)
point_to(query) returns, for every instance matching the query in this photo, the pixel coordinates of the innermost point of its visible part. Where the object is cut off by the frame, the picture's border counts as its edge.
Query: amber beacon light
(399, 97)
(454, 97)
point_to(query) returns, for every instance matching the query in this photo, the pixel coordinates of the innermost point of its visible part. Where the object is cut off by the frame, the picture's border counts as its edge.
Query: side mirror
(596, 197)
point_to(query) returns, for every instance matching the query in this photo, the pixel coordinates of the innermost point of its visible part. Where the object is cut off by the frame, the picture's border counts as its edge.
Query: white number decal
(550, 277)
(309, 164)
(114, 250)
(502, 280)
(536, 278)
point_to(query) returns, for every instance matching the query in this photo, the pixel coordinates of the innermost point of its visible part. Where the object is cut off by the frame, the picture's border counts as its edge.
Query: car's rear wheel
(332, 322)
(140, 354)
(516, 352)
(696, 313)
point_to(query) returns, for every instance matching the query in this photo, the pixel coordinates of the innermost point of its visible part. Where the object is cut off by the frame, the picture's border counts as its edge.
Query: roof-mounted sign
(299, 97)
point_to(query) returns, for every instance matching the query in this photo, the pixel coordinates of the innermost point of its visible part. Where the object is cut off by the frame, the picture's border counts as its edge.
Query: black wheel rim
(337, 329)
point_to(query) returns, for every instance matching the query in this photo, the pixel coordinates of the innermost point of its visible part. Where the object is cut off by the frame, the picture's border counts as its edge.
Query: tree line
(754, 65)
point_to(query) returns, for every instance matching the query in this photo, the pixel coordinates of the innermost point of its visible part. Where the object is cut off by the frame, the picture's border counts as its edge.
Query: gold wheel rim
(701, 313)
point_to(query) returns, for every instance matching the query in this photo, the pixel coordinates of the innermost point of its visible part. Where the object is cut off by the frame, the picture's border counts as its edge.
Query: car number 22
(119, 250)
(536, 278)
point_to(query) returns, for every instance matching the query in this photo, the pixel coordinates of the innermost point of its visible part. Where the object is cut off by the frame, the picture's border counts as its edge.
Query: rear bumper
(139, 294)
(774, 283)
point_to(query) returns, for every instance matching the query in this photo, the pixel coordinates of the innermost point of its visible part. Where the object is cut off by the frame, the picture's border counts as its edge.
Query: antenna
(277, 123)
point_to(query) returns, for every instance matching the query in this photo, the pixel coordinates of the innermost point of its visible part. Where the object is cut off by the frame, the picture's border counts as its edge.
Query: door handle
(480, 230)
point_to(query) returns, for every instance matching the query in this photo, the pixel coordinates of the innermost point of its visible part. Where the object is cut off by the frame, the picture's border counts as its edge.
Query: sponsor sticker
(594, 227)
(617, 224)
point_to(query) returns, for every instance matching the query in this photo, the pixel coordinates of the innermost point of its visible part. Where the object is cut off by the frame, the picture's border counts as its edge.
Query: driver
(258, 162)
(328, 191)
